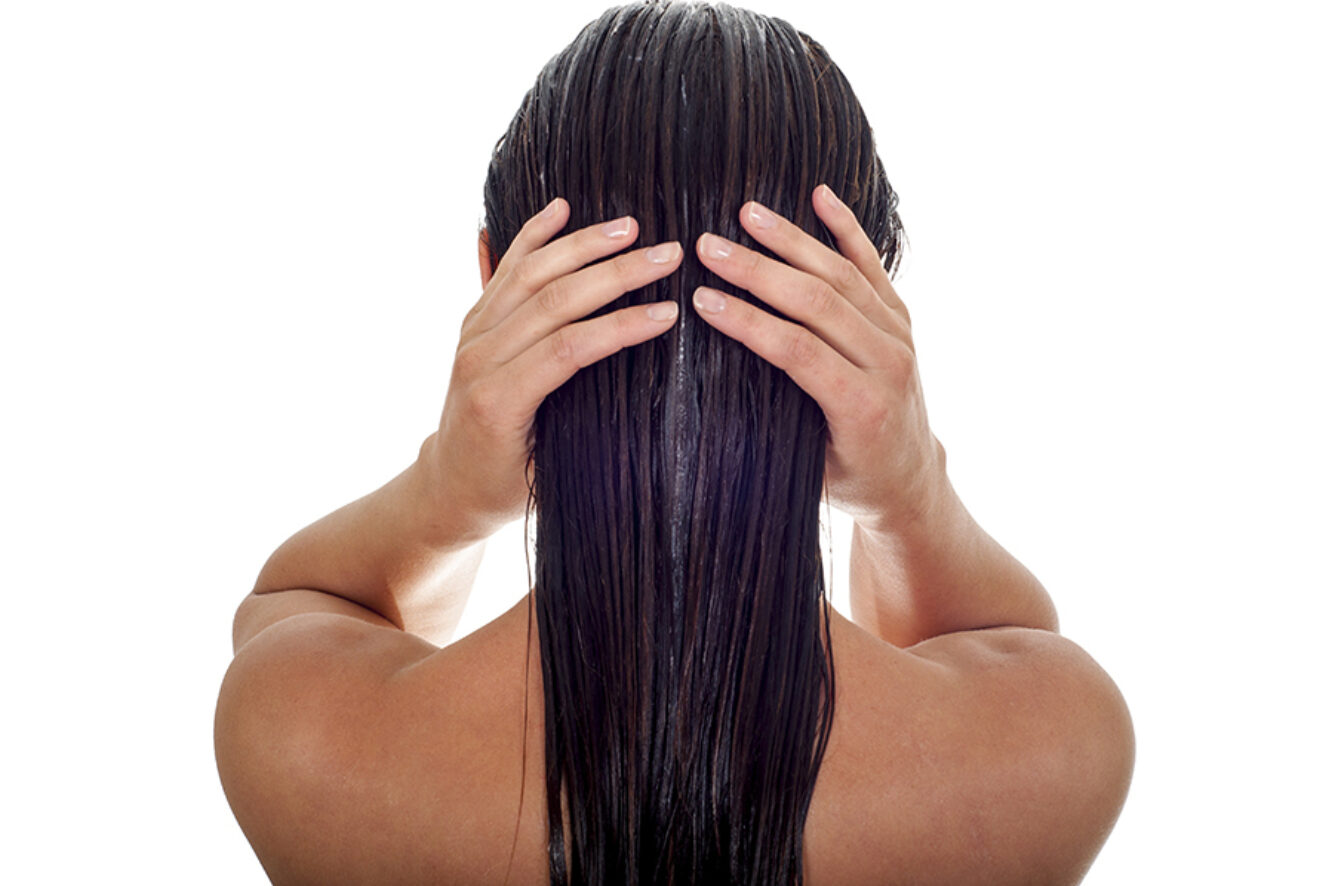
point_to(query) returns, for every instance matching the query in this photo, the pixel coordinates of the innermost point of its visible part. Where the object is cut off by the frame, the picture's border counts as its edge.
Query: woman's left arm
(405, 556)
(399, 553)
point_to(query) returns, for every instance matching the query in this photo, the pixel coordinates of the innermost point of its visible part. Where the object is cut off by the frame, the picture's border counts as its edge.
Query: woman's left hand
(522, 340)
(848, 344)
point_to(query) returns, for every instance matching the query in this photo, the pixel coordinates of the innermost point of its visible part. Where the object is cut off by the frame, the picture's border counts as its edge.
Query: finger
(804, 252)
(535, 269)
(797, 294)
(567, 299)
(816, 367)
(536, 231)
(550, 362)
(856, 245)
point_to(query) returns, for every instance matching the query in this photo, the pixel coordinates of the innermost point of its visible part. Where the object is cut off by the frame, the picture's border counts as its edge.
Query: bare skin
(971, 742)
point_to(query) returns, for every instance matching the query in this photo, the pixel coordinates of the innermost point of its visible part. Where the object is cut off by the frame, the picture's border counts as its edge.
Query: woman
(689, 709)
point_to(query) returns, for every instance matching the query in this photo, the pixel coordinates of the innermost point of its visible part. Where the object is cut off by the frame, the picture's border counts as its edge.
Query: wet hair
(688, 679)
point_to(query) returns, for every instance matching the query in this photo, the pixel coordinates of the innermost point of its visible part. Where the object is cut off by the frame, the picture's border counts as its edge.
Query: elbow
(1045, 616)
(243, 621)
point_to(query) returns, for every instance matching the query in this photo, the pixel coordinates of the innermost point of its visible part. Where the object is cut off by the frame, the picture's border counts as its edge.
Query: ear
(486, 261)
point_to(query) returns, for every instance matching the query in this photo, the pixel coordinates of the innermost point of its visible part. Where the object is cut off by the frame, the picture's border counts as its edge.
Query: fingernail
(828, 196)
(551, 208)
(710, 300)
(762, 217)
(664, 253)
(664, 310)
(618, 228)
(717, 247)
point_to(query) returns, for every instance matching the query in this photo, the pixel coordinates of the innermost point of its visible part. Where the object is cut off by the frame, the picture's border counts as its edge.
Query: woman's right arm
(939, 574)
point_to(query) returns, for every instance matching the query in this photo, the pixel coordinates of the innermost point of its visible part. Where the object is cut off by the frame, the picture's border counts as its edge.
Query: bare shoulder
(996, 756)
(356, 753)
(339, 746)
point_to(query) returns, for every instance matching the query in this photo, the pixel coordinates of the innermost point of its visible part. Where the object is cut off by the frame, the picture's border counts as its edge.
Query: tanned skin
(971, 744)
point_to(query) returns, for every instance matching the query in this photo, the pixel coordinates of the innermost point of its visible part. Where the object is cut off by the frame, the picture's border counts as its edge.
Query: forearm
(398, 551)
(941, 574)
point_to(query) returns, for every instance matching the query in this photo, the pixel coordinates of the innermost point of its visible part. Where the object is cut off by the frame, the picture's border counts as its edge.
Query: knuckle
(820, 298)
(867, 407)
(554, 297)
(874, 407)
(469, 319)
(626, 321)
(468, 362)
(844, 400)
(563, 346)
(752, 264)
(901, 366)
(799, 348)
(591, 244)
(525, 274)
(846, 275)
(900, 328)
(625, 268)
(481, 405)
(905, 360)
(752, 321)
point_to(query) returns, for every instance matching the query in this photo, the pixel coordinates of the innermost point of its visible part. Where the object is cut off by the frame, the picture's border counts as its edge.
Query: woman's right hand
(529, 332)
(851, 349)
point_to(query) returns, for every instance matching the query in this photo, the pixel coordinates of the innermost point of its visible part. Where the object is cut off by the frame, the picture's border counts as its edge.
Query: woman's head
(688, 680)
(678, 113)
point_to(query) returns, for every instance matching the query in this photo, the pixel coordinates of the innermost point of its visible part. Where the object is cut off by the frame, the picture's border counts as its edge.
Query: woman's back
(677, 416)
(996, 756)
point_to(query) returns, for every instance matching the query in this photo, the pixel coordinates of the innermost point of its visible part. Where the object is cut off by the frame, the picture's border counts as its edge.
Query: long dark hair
(687, 673)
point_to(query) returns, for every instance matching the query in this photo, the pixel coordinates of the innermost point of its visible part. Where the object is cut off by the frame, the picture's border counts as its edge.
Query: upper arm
(1049, 748)
(298, 708)
(260, 611)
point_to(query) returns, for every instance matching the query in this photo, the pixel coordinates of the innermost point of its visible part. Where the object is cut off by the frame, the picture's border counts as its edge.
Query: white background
(237, 241)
